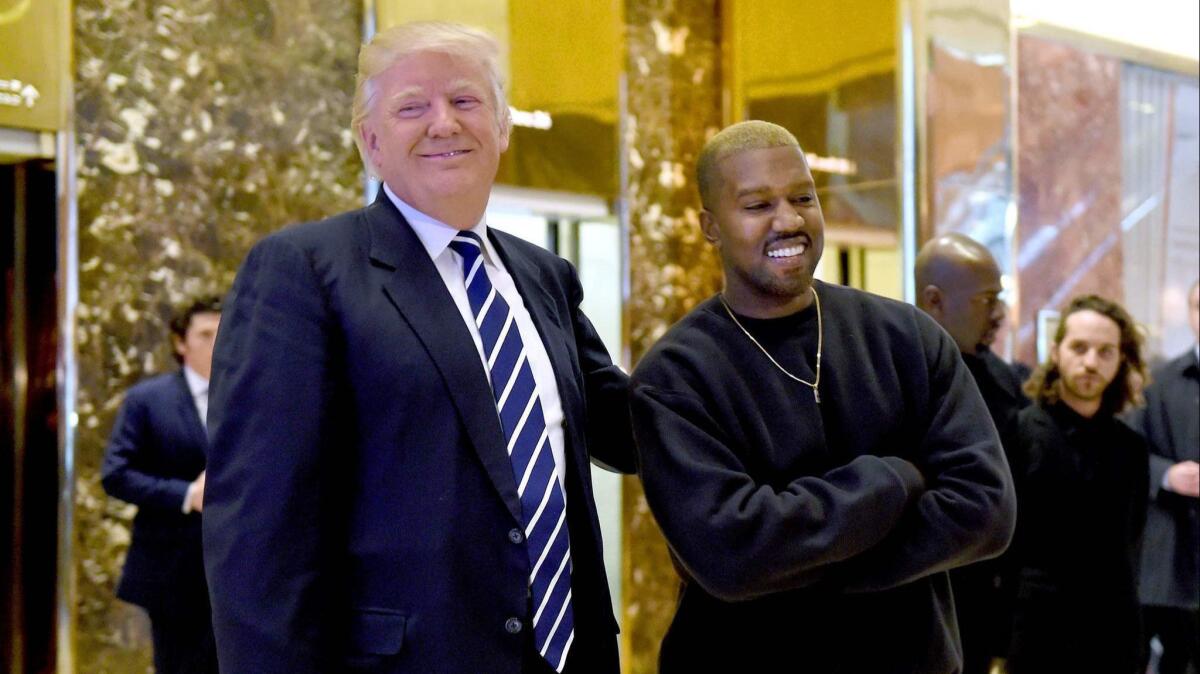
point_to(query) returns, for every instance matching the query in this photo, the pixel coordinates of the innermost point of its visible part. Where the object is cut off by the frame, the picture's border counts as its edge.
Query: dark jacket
(1170, 422)
(156, 449)
(1082, 494)
(361, 512)
(984, 591)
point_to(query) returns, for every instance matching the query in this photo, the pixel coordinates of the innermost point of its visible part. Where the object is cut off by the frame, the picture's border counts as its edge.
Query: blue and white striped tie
(542, 499)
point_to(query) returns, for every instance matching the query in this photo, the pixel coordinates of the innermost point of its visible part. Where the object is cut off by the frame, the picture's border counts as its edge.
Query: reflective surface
(834, 88)
(1069, 153)
(965, 184)
(1160, 202)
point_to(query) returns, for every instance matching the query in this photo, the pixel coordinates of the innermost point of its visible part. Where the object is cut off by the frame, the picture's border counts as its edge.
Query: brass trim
(1012, 218)
(67, 191)
(67, 383)
(20, 393)
(910, 135)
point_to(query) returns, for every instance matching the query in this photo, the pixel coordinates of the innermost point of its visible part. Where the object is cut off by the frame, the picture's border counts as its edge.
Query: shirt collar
(196, 384)
(434, 234)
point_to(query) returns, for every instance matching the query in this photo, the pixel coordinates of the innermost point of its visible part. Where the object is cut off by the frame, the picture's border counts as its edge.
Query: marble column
(202, 125)
(672, 105)
(1069, 180)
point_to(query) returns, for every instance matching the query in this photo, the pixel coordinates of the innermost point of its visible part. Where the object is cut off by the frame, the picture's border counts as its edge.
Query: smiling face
(433, 136)
(767, 224)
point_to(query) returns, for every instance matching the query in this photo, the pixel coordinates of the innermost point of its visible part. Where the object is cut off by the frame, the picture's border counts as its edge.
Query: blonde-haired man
(817, 457)
(403, 405)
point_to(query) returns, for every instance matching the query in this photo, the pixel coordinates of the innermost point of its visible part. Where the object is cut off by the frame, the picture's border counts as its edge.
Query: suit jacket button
(513, 625)
(516, 537)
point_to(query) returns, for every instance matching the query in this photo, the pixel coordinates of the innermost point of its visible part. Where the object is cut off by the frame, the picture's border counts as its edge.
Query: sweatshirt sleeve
(968, 510)
(740, 539)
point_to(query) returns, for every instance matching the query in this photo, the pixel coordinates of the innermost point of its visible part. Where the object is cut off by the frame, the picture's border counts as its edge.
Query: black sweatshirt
(818, 534)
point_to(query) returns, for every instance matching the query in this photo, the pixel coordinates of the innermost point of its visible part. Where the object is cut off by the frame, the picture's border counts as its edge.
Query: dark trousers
(1178, 630)
(183, 641)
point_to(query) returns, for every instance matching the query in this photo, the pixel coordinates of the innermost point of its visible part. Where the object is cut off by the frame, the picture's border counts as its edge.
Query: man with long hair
(1082, 491)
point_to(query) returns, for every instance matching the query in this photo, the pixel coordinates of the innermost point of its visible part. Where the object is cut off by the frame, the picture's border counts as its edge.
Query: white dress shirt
(198, 386)
(435, 236)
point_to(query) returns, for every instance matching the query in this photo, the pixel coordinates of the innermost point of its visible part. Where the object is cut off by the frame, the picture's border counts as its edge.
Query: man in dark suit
(405, 402)
(958, 284)
(155, 460)
(1170, 582)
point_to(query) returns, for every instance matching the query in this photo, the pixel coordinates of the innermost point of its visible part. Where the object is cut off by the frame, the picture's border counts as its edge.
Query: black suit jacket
(156, 449)
(1082, 496)
(1170, 422)
(360, 508)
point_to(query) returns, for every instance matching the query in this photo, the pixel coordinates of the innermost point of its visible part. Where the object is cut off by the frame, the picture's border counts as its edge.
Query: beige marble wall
(673, 103)
(201, 126)
(1069, 180)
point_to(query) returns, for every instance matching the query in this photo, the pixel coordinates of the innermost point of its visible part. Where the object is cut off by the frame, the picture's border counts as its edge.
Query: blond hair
(750, 135)
(389, 46)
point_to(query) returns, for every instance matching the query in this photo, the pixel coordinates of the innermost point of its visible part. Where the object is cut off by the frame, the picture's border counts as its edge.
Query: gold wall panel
(827, 74)
(35, 63)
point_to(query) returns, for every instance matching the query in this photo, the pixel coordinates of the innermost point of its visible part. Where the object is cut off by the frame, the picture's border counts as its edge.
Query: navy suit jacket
(156, 449)
(360, 507)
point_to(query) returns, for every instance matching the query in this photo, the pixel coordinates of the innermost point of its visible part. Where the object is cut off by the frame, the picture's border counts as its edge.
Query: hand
(196, 494)
(1184, 478)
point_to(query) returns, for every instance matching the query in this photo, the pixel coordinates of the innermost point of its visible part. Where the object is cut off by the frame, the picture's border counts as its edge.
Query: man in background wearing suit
(405, 402)
(1170, 574)
(155, 460)
(958, 284)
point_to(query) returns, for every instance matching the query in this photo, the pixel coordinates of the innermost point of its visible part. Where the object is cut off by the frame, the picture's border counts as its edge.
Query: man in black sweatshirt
(817, 457)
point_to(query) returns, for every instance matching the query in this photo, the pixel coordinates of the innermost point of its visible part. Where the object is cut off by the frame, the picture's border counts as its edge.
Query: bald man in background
(958, 284)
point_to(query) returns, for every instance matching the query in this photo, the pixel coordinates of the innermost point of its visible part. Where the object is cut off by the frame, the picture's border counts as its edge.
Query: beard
(764, 283)
(1086, 388)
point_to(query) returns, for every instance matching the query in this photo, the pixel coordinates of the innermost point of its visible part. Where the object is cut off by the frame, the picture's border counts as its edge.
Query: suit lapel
(417, 290)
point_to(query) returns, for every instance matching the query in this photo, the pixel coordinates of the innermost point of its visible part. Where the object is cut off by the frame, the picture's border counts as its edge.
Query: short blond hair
(389, 46)
(750, 135)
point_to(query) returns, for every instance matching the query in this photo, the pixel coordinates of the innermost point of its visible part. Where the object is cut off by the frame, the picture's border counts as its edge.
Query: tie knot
(468, 245)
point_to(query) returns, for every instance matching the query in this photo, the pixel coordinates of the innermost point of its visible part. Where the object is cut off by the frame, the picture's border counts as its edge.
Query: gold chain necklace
(820, 338)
